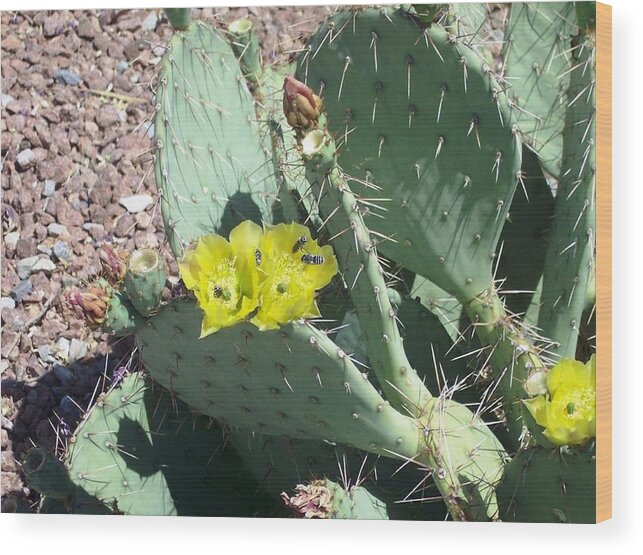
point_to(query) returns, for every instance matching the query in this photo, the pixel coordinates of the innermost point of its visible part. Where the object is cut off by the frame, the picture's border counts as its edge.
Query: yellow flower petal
(295, 266)
(538, 409)
(566, 371)
(568, 414)
(222, 277)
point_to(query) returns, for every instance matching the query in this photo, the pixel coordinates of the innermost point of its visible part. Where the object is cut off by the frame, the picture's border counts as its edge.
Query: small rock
(147, 129)
(25, 266)
(12, 43)
(77, 350)
(57, 229)
(26, 159)
(62, 251)
(7, 302)
(97, 231)
(44, 352)
(68, 407)
(25, 247)
(150, 22)
(22, 290)
(11, 240)
(66, 76)
(49, 188)
(136, 203)
(143, 220)
(64, 374)
(61, 349)
(107, 116)
(124, 225)
(6, 98)
(44, 265)
(121, 66)
(44, 249)
(88, 28)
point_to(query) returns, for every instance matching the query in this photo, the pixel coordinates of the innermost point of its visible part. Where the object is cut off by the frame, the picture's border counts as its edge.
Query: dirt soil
(77, 97)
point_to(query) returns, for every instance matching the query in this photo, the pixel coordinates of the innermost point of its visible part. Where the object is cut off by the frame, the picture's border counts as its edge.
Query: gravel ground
(76, 100)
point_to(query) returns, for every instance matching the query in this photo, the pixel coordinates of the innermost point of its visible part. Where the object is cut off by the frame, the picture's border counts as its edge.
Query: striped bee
(258, 257)
(315, 259)
(300, 243)
(217, 291)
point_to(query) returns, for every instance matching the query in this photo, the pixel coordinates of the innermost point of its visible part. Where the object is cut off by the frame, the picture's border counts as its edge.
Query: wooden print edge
(603, 262)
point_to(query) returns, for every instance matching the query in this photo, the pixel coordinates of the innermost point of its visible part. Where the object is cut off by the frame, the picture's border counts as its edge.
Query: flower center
(579, 405)
(289, 278)
(223, 286)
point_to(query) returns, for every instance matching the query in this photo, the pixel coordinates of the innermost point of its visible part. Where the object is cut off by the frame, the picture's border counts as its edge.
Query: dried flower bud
(90, 305)
(310, 501)
(302, 107)
(112, 263)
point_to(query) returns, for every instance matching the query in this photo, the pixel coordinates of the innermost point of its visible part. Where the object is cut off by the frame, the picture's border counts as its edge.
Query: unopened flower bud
(112, 263)
(302, 107)
(310, 501)
(90, 305)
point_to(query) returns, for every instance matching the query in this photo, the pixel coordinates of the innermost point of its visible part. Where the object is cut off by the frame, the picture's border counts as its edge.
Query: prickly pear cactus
(140, 451)
(376, 323)
(424, 130)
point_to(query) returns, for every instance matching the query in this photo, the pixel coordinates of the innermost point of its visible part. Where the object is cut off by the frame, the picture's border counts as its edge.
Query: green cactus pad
(46, 473)
(145, 280)
(543, 485)
(122, 318)
(570, 260)
(294, 381)
(356, 503)
(537, 62)
(211, 169)
(464, 446)
(418, 115)
(139, 451)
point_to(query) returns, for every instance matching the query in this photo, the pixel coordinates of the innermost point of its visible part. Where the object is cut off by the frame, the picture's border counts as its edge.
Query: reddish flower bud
(302, 107)
(112, 263)
(90, 305)
(311, 501)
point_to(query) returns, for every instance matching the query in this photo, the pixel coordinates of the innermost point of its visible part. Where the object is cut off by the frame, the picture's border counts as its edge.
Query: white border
(66, 534)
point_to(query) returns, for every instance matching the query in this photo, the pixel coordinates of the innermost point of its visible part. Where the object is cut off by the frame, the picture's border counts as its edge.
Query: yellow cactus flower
(294, 267)
(568, 411)
(223, 276)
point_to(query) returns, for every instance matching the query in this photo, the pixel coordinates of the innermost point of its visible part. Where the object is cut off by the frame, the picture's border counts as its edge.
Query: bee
(300, 243)
(315, 259)
(217, 291)
(258, 257)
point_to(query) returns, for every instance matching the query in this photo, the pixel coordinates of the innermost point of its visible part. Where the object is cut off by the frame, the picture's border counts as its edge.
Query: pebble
(77, 350)
(147, 129)
(44, 249)
(66, 76)
(26, 159)
(150, 22)
(44, 351)
(61, 349)
(121, 66)
(22, 290)
(44, 265)
(25, 266)
(11, 240)
(6, 98)
(64, 374)
(143, 220)
(136, 203)
(68, 407)
(57, 229)
(62, 251)
(7, 302)
(48, 188)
